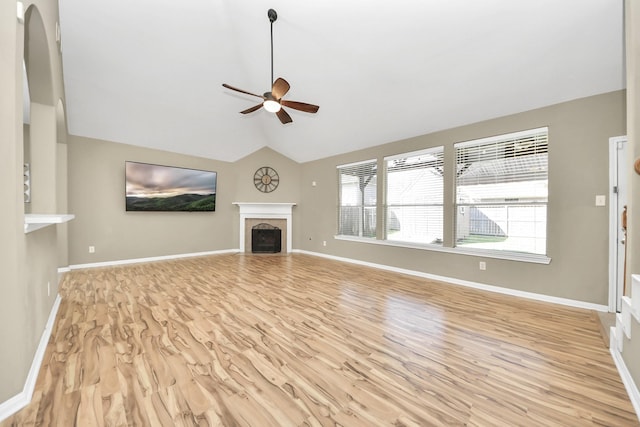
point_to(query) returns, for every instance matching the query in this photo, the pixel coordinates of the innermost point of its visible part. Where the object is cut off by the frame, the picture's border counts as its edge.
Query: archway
(39, 141)
(37, 58)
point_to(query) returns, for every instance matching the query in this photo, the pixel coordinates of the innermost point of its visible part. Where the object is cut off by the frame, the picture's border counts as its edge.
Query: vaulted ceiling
(150, 73)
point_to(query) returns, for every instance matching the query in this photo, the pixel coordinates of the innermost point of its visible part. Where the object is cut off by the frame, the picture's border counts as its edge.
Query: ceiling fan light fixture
(271, 106)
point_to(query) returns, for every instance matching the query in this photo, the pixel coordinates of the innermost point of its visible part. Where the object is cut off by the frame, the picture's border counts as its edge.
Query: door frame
(615, 223)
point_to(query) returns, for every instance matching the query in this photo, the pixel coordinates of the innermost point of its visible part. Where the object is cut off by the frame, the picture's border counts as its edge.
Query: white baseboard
(476, 285)
(625, 375)
(469, 284)
(22, 399)
(150, 259)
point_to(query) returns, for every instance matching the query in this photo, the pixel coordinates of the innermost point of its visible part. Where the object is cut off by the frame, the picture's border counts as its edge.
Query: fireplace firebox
(265, 238)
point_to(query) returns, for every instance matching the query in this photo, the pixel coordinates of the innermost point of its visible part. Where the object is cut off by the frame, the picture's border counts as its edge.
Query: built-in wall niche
(33, 221)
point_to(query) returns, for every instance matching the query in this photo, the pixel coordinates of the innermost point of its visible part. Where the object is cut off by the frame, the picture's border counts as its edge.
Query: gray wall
(577, 235)
(631, 348)
(97, 198)
(11, 292)
(28, 261)
(289, 190)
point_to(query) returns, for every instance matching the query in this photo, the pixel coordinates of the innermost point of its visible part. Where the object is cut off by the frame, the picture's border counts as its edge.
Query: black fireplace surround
(265, 238)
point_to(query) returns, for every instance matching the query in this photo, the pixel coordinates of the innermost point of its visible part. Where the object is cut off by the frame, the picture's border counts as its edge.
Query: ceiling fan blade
(280, 88)
(284, 116)
(242, 91)
(302, 106)
(252, 109)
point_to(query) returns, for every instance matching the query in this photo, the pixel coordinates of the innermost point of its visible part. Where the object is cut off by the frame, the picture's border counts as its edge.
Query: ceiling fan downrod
(273, 16)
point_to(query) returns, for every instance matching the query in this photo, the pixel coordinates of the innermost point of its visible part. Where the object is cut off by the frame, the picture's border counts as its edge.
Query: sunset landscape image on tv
(166, 188)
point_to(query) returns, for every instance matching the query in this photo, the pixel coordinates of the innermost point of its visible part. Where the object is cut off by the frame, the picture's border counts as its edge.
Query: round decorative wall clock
(266, 179)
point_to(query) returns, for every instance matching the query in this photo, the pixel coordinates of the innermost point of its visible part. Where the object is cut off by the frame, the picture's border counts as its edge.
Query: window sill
(483, 253)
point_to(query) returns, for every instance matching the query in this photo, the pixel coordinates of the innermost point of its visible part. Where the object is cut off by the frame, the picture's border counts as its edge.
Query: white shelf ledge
(34, 222)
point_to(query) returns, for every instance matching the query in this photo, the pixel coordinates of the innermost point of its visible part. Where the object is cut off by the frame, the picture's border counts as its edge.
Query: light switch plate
(601, 200)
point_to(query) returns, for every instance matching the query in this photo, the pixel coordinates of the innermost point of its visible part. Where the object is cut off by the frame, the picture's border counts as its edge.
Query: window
(357, 192)
(414, 196)
(501, 192)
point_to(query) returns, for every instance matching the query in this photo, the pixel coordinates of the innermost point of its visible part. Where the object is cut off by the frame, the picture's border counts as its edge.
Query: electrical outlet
(92, 249)
(324, 243)
(48, 289)
(482, 265)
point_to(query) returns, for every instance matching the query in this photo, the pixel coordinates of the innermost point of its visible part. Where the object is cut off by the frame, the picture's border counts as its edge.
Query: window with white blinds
(414, 195)
(357, 193)
(501, 192)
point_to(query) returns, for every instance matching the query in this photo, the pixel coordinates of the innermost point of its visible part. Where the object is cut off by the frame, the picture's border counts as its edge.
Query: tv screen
(167, 188)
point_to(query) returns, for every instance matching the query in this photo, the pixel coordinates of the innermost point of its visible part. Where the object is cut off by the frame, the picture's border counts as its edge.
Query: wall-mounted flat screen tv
(168, 188)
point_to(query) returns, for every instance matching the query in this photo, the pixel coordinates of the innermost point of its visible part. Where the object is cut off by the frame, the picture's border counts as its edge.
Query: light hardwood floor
(245, 340)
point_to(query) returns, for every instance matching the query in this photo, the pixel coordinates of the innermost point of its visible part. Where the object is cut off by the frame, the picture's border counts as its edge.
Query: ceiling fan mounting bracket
(273, 16)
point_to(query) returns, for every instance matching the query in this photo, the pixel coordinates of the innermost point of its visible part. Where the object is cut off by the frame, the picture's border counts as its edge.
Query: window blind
(357, 193)
(414, 196)
(501, 192)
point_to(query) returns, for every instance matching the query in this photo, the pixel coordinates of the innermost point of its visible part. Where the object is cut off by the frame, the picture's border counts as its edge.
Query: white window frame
(361, 208)
(438, 152)
(493, 142)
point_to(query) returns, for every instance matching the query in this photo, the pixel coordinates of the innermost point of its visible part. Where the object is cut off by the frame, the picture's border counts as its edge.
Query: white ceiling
(150, 73)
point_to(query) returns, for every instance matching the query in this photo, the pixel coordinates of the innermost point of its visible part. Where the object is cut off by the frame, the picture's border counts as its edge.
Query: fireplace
(278, 215)
(265, 238)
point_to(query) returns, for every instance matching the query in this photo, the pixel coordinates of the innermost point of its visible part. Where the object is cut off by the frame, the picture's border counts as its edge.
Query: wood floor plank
(242, 340)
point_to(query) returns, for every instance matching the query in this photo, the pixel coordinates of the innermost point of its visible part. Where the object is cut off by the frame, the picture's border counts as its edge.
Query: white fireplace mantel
(251, 210)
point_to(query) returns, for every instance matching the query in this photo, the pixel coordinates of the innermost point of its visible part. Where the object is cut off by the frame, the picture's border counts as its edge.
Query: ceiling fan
(272, 101)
